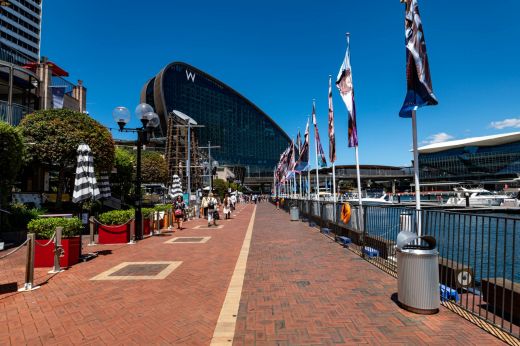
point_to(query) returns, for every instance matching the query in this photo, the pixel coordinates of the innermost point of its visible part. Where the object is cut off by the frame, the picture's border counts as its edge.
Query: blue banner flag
(58, 93)
(419, 84)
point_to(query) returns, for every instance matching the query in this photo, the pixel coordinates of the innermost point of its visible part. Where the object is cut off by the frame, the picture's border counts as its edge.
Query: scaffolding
(177, 152)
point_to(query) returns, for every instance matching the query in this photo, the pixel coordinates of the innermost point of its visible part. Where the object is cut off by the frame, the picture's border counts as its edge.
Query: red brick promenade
(299, 288)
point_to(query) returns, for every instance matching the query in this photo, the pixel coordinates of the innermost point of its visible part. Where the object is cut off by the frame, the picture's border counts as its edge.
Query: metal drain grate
(185, 240)
(140, 270)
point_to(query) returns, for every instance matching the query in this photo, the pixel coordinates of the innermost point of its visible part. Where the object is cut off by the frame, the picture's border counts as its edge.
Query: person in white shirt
(212, 208)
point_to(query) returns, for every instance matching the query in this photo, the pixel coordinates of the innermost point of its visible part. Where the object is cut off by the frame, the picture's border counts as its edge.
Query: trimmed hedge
(146, 212)
(44, 227)
(116, 217)
(162, 207)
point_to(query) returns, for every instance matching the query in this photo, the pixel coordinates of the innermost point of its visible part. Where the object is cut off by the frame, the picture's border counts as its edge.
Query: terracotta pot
(44, 255)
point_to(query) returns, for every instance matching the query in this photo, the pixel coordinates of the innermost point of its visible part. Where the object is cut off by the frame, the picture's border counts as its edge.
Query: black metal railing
(479, 254)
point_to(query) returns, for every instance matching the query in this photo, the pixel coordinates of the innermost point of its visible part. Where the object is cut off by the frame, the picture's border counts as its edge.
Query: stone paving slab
(301, 288)
(181, 308)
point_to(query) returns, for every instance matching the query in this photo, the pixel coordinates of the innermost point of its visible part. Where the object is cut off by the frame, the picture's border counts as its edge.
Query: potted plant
(115, 226)
(44, 229)
(163, 210)
(146, 212)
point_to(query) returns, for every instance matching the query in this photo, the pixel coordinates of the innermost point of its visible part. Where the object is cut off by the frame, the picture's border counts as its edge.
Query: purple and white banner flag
(322, 162)
(346, 90)
(418, 79)
(332, 136)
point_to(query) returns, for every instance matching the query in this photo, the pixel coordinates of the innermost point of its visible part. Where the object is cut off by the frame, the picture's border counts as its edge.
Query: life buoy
(345, 212)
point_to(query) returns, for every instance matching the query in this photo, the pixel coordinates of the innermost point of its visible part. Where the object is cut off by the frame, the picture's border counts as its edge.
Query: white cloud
(438, 138)
(502, 124)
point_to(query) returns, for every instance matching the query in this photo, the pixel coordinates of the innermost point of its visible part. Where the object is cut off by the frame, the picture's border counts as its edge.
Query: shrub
(162, 207)
(116, 217)
(146, 212)
(21, 215)
(44, 227)
(11, 157)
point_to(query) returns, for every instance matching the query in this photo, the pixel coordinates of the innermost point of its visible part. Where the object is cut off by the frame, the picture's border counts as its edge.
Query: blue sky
(279, 54)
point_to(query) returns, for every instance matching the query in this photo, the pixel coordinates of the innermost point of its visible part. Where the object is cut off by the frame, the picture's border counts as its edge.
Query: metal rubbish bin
(417, 273)
(295, 214)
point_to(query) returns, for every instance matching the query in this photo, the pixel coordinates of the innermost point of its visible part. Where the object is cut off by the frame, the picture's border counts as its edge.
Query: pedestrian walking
(233, 201)
(212, 209)
(227, 207)
(179, 208)
(204, 205)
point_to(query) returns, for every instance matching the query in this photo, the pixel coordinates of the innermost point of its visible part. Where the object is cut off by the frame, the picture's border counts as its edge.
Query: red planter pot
(44, 255)
(113, 234)
(146, 227)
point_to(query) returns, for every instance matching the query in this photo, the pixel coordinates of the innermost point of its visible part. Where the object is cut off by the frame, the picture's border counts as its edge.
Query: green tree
(11, 158)
(122, 180)
(55, 134)
(220, 187)
(153, 168)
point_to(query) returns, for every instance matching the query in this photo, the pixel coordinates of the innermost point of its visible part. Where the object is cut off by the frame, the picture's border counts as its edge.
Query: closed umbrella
(85, 184)
(104, 186)
(176, 189)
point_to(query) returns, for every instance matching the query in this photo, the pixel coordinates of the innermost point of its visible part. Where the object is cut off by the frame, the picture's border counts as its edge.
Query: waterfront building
(20, 27)
(492, 161)
(248, 138)
(29, 82)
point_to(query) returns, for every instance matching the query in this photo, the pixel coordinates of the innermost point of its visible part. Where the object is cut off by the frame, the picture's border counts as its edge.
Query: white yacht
(369, 198)
(478, 197)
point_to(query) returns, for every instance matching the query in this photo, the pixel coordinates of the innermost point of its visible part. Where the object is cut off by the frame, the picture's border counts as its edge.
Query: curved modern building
(247, 136)
(492, 160)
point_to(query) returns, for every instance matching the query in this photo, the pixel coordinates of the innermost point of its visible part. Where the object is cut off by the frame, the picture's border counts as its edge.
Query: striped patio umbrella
(176, 189)
(104, 186)
(85, 184)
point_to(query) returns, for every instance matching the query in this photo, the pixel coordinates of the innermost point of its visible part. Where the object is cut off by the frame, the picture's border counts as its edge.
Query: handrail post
(91, 221)
(57, 251)
(29, 265)
(132, 232)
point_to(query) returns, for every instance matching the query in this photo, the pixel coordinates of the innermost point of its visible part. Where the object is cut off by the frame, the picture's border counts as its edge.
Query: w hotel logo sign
(190, 76)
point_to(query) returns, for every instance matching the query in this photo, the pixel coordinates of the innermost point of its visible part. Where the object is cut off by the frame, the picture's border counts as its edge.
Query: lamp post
(150, 121)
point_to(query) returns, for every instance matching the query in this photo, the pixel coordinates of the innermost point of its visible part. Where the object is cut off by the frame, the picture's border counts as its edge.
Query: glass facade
(20, 31)
(472, 163)
(247, 136)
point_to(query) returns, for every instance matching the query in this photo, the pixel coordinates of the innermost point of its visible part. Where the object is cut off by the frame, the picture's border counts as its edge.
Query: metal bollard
(132, 232)
(154, 224)
(29, 265)
(91, 221)
(58, 251)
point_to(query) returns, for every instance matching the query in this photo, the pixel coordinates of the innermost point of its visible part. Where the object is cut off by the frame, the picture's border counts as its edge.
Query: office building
(248, 138)
(20, 26)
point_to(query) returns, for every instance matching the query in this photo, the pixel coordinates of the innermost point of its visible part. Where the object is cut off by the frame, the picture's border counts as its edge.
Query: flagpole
(334, 188)
(360, 214)
(416, 175)
(301, 191)
(316, 156)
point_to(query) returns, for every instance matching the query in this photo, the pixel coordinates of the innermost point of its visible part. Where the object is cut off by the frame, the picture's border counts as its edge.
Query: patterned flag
(303, 159)
(58, 94)
(332, 137)
(322, 162)
(291, 164)
(419, 83)
(299, 143)
(346, 90)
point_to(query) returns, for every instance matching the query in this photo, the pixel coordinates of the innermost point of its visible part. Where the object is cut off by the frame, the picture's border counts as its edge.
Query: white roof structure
(184, 117)
(484, 141)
